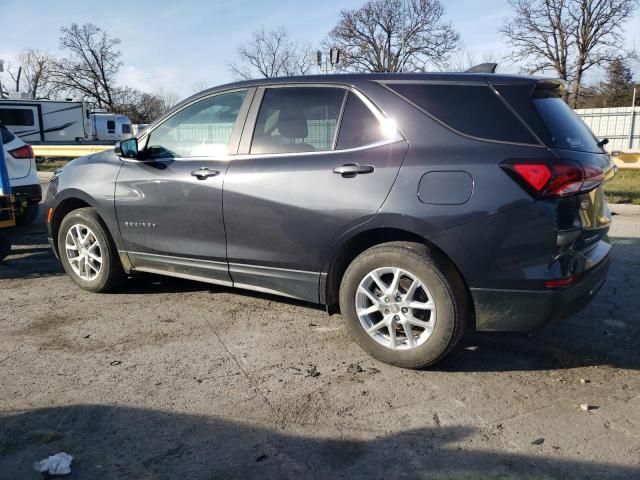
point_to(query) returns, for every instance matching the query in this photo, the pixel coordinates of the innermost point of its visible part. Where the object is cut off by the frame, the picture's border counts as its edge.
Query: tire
(435, 332)
(5, 246)
(28, 216)
(98, 276)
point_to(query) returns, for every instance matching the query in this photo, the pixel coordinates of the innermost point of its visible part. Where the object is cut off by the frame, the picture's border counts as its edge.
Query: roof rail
(483, 68)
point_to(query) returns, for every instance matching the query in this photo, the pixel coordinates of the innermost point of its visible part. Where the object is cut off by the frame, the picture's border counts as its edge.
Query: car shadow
(111, 442)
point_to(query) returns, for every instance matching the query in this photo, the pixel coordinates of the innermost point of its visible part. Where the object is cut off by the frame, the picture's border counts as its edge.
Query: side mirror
(127, 148)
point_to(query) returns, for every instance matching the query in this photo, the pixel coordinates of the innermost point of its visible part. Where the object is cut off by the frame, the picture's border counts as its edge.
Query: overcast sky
(176, 45)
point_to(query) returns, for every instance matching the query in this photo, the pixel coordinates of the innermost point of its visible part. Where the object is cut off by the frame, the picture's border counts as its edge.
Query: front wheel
(87, 252)
(402, 305)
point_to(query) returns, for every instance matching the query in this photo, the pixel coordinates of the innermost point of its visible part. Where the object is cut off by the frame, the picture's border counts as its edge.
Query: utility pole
(327, 64)
(402, 38)
(633, 118)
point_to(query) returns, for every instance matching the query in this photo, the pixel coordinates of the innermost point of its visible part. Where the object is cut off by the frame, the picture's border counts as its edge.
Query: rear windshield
(6, 135)
(567, 130)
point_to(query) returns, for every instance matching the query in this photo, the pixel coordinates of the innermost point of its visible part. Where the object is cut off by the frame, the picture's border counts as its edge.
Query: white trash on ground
(58, 464)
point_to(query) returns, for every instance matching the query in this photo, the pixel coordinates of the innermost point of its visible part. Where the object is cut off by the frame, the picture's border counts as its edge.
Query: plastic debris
(58, 464)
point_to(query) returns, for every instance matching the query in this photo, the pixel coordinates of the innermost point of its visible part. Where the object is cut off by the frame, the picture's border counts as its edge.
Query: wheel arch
(363, 240)
(63, 208)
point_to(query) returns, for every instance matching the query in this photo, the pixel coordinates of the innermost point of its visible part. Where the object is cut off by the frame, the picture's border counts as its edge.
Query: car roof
(351, 78)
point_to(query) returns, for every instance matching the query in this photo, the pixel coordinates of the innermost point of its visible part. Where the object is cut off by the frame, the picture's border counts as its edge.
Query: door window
(359, 126)
(200, 130)
(111, 126)
(297, 119)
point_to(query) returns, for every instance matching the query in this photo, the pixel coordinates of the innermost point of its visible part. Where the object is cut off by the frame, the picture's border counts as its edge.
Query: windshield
(567, 130)
(6, 135)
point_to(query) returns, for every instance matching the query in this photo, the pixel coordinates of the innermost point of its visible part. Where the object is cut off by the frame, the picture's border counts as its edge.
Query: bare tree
(141, 107)
(32, 74)
(92, 65)
(269, 54)
(382, 36)
(567, 37)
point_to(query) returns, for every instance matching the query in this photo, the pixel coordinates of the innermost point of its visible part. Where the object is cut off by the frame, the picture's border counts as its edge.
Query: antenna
(483, 68)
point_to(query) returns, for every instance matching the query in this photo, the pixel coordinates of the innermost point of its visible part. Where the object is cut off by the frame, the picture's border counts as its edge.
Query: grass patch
(51, 165)
(624, 188)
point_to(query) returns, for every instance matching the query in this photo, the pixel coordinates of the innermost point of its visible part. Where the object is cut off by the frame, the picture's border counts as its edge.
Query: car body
(313, 172)
(23, 175)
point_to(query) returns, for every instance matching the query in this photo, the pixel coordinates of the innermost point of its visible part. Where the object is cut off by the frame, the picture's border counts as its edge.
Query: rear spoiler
(549, 89)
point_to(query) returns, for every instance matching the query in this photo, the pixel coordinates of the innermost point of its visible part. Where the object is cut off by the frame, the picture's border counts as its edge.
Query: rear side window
(17, 116)
(6, 135)
(126, 128)
(297, 119)
(359, 126)
(567, 131)
(473, 110)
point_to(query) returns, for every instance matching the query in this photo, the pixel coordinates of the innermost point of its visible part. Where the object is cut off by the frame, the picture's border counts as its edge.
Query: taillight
(554, 178)
(23, 152)
(562, 282)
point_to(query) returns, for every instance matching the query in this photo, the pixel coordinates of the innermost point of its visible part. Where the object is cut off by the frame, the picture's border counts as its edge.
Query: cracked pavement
(173, 379)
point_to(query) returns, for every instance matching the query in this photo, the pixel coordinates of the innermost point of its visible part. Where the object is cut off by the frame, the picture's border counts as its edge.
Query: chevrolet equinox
(417, 205)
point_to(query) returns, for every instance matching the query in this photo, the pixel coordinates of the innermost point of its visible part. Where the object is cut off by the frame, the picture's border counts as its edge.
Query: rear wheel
(402, 305)
(88, 253)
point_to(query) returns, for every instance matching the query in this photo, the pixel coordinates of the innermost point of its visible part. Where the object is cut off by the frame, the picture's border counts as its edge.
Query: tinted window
(126, 128)
(297, 119)
(567, 130)
(200, 130)
(359, 126)
(17, 116)
(111, 126)
(6, 135)
(470, 109)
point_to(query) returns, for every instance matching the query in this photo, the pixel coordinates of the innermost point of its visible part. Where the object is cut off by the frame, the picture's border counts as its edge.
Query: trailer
(110, 127)
(47, 121)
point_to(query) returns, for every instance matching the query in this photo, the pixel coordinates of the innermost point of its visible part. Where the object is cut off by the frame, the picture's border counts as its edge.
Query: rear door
(315, 161)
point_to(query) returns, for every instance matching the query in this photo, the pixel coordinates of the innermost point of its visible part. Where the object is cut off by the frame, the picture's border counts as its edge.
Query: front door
(318, 163)
(169, 202)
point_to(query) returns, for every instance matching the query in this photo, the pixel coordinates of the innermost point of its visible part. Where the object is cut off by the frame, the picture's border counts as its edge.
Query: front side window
(297, 119)
(200, 130)
(126, 128)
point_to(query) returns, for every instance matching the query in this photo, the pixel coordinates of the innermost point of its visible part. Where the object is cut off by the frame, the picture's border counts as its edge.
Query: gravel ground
(174, 379)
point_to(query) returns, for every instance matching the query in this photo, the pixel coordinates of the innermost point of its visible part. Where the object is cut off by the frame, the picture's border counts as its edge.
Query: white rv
(47, 121)
(110, 127)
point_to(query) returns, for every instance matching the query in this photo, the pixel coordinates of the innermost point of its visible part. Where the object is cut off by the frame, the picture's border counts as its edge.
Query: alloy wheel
(395, 308)
(83, 252)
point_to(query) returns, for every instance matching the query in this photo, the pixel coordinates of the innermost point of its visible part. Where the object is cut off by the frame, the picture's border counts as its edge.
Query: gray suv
(417, 205)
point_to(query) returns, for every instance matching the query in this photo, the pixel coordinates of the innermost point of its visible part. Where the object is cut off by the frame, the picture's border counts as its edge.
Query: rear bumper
(524, 310)
(31, 193)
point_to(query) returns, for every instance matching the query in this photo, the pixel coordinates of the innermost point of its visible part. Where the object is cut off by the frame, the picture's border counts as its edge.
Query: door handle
(352, 169)
(203, 173)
